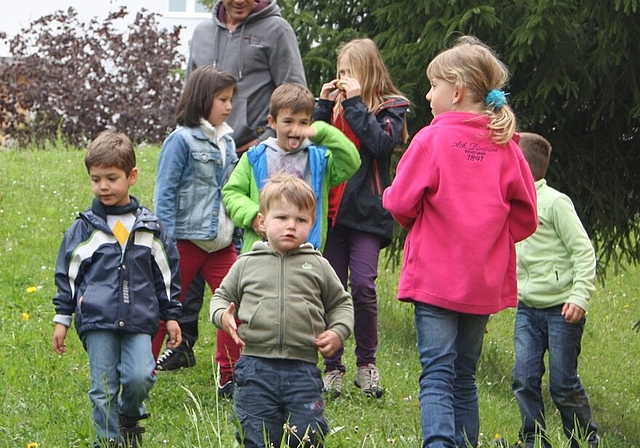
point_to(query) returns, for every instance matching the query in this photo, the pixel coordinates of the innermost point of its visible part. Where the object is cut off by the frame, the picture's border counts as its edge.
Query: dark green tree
(574, 66)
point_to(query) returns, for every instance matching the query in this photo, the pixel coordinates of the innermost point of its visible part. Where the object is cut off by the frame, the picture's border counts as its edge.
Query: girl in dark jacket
(364, 104)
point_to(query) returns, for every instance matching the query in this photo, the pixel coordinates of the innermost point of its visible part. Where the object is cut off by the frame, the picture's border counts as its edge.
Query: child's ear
(458, 94)
(261, 221)
(133, 176)
(271, 121)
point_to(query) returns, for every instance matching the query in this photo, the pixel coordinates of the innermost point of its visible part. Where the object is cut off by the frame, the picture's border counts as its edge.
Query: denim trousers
(449, 344)
(536, 332)
(273, 392)
(122, 375)
(354, 254)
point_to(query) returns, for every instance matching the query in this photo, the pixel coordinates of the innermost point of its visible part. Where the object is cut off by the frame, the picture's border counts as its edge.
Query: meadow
(44, 401)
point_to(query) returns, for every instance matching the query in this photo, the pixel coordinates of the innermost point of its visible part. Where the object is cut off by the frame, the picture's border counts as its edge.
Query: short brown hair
(537, 151)
(111, 149)
(291, 96)
(287, 187)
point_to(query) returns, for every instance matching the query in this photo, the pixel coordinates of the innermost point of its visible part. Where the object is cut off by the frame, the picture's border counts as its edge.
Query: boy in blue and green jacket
(316, 152)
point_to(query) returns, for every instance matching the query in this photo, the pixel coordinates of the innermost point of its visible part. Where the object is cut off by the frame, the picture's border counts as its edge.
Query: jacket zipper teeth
(376, 176)
(282, 316)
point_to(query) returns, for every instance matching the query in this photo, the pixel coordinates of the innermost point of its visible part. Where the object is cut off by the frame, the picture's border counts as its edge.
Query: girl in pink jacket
(466, 194)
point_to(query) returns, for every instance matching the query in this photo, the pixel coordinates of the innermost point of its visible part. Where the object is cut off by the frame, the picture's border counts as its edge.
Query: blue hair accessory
(496, 98)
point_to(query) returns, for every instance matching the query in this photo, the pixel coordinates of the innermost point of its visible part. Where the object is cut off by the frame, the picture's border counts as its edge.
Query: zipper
(376, 177)
(282, 306)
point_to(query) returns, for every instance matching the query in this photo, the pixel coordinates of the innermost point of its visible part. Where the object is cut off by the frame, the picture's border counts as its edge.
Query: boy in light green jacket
(556, 273)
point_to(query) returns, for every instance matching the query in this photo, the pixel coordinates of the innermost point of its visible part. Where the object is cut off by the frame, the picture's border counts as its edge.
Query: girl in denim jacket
(195, 162)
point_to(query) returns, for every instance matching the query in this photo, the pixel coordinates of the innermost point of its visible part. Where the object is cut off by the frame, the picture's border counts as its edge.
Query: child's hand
(351, 87)
(572, 313)
(308, 132)
(329, 90)
(175, 334)
(59, 335)
(229, 324)
(328, 342)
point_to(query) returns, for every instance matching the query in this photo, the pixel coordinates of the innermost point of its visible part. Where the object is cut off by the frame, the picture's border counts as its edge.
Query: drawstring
(241, 61)
(214, 47)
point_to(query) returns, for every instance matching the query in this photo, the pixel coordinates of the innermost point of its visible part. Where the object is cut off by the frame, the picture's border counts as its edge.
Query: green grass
(45, 399)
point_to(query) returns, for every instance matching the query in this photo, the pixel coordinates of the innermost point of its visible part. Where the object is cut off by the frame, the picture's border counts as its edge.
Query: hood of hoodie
(263, 8)
(272, 142)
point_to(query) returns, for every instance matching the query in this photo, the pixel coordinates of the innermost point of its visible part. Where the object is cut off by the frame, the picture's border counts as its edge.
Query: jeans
(122, 375)
(449, 344)
(536, 332)
(355, 253)
(272, 392)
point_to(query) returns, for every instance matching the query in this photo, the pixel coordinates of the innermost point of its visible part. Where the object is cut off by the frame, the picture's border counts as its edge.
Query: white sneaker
(368, 379)
(332, 383)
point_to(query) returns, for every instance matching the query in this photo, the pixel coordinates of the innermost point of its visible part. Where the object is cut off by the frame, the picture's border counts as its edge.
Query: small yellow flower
(25, 317)
(33, 445)
(32, 289)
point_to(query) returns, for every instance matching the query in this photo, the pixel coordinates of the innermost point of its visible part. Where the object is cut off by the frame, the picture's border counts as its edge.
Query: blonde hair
(537, 151)
(289, 188)
(367, 66)
(473, 65)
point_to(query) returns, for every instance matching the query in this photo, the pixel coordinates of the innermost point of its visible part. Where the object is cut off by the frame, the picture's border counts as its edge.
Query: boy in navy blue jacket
(117, 270)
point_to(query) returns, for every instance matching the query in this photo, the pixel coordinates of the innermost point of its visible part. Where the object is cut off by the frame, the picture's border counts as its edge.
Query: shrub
(70, 80)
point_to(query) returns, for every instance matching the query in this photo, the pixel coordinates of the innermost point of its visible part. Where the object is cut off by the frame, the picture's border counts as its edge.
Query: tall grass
(44, 396)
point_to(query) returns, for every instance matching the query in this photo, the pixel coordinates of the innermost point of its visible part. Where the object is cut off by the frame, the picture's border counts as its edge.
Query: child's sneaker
(368, 379)
(332, 383)
(131, 430)
(594, 442)
(174, 359)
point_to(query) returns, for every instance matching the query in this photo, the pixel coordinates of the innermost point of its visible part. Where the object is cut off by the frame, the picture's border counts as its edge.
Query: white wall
(23, 12)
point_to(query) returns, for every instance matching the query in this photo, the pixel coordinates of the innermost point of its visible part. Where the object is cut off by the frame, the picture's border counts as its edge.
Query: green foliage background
(574, 65)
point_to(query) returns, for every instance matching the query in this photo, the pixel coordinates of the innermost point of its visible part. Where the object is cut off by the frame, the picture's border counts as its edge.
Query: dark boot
(131, 431)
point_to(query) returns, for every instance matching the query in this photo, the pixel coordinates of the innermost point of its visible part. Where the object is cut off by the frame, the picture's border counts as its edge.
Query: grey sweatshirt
(261, 53)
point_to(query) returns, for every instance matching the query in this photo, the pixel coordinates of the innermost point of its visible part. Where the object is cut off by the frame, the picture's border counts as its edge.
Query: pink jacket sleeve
(404, 197)
(523, 215)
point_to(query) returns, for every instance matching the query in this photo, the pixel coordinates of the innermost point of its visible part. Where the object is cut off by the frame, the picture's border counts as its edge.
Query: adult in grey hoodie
(251, 40)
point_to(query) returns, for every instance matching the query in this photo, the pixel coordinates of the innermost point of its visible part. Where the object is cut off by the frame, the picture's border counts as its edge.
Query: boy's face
(111, 185)
(291, 129)
(286, 226)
